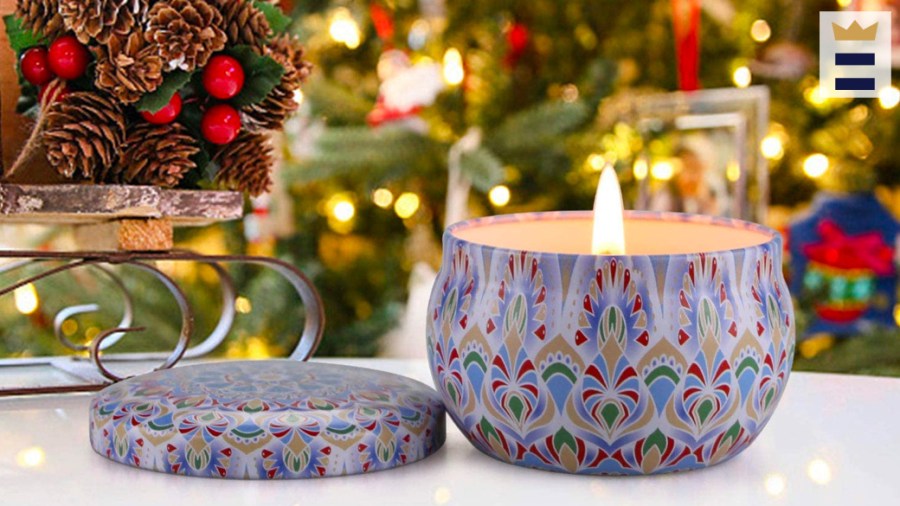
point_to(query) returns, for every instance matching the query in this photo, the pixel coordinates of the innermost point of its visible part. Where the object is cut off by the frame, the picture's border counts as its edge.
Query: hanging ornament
(383, 22)
(518, 36)
(686, 24)
(405, 90)
(842, 260)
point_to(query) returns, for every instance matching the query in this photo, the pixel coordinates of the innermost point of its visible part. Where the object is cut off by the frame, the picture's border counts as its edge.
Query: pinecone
(41, 16)
(187, 32)
(83, 134)
(128, 67)
(102, 19)
(244, 23)
(158, 155)
(272, 111)
(246, 164)
(291, 49)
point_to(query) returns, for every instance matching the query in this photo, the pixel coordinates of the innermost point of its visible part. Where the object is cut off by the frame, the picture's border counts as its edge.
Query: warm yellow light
(344, 29)
(298, 96)
(596, 162)
(844, 3)
(257, 349)
(30, 457)
(69, 327)
(815, 165)
(640, 169)
(889, 97)
(742, 77)
(733, 171)
(609, 221)
(772, 147)
(815, 344)
(819, 471)
(814, 95)
(897, 314)
(406, 205)
(663, 170)
(760, 31)
(774, 484)
(242, 305)
(453, 67)
(499, 195)
(383, 198)
(569, 93)
(344, 211)
(26, 298)
(859, 113)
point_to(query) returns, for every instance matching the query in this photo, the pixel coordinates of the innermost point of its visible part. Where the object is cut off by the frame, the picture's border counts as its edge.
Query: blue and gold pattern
(267, 420)
(624, 364)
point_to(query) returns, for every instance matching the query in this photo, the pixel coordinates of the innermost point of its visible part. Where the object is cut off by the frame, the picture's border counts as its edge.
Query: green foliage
(278, 21)
(538, 127)
(20, 38)
(385, 153)
(172, 83)
(877, 353)
(339, 105)
(261, 75)
(483, 168)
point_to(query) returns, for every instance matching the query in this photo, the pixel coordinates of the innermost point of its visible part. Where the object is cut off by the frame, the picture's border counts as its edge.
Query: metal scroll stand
(186, 207)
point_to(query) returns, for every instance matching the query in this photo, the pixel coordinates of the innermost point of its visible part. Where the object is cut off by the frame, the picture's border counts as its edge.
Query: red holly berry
(221, 124)
(223, 77)
(68, 57)
(165, 115)
(35, 66)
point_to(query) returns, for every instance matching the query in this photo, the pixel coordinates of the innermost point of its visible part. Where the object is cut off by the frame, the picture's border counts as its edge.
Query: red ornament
(165, 115)
(35, 66)
(68, 57)
(221, 124)
(223, 77)
(517, 39)
(384, 24)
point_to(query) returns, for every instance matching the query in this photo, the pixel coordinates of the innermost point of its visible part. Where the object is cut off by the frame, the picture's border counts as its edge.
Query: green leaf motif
(262, 75)
(278, 20)
(20, 38)
(153, 102)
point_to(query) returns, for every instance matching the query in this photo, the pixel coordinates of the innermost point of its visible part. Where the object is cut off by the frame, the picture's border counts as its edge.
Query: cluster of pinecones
(96, 134)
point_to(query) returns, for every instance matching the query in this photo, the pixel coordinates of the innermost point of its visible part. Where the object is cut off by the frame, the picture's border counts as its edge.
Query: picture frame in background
(701, 152)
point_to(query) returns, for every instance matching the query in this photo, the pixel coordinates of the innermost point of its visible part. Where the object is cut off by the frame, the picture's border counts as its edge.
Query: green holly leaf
(262, 74)
(20, 38)
(153, 102)
(277, 19)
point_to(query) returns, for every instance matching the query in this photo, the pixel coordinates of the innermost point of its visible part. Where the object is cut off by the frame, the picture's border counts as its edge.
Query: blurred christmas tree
(424, 112)
(415, 101)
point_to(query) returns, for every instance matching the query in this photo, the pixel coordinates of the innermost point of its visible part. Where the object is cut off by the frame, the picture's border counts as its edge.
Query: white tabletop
(833, 440)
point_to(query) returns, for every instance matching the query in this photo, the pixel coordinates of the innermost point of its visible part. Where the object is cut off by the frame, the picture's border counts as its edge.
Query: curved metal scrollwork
(97, 349)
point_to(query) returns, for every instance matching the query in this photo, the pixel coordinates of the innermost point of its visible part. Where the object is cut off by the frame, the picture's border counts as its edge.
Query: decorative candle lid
(267, 420)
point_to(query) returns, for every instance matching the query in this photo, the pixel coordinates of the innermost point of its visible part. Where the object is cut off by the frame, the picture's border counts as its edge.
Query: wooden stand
(117, 218)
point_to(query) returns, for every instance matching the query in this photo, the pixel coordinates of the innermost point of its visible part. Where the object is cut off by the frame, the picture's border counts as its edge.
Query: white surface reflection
(442, 496)
(829, 429)
(31, 457)
(819, 471)
(775, 484)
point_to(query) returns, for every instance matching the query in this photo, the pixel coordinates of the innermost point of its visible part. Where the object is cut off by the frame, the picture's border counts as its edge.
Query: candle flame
(609, 220)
